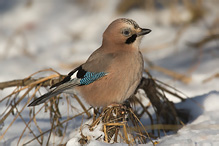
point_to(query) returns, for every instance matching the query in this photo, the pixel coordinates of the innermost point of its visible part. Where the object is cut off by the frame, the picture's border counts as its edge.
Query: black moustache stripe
(131, 39)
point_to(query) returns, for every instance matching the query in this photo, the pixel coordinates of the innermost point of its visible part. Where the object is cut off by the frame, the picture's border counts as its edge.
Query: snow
(61, 34)
(91, 135)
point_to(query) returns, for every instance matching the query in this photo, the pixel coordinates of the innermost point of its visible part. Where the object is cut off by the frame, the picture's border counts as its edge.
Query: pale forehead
(130, 22)
(123, 22)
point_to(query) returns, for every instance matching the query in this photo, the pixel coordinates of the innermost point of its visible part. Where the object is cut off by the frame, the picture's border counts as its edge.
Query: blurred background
(61, 34)
(182, 50)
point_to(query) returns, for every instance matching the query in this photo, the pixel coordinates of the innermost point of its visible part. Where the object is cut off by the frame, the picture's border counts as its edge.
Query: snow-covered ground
(62, 34)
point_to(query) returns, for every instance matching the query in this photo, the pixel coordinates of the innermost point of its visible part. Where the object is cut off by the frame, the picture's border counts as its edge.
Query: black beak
(143, 32)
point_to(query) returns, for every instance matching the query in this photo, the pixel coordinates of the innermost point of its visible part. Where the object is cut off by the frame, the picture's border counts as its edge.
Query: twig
(26, 82)
(82, 105)
(141, 125)
(175, 75)
(27, 125)
(9, 112)
(170, 92)
(145, 110)
(210, 78)
(54, 127)
(160, 127)
(203, 41)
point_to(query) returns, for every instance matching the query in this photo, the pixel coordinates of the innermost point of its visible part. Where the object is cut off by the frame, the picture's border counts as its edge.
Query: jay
(112, 72)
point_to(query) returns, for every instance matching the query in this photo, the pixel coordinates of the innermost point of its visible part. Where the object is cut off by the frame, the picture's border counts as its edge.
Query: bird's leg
(126, 104)
(96, 111)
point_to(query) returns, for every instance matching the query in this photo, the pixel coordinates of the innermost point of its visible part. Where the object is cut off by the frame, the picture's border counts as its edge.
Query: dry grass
(29, 87)
(115, 118)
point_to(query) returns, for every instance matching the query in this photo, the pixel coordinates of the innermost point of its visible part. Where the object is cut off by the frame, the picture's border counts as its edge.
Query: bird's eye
(126, 32)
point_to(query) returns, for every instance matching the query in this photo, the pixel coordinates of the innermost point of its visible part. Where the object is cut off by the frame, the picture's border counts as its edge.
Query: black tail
(61, 88)
(43, 98)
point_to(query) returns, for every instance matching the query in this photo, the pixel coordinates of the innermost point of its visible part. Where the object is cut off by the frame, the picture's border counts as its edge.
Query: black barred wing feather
(90, 77)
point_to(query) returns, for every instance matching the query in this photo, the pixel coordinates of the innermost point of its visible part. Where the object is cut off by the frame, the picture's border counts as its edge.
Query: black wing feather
(66, 79)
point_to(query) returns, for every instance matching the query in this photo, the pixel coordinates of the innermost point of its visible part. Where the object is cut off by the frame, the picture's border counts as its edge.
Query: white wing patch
(74, 75)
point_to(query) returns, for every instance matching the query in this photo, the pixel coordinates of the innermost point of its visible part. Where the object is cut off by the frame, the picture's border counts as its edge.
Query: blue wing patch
(90, 77)
(82, 75)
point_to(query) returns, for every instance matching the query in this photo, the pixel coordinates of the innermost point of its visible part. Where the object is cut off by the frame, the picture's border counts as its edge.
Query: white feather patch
(74, 75)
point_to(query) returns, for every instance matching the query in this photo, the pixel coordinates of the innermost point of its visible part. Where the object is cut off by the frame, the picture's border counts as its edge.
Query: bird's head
(124, 32)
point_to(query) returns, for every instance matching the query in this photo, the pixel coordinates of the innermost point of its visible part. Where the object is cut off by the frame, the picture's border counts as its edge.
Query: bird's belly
(112, 88)
(100, 93)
